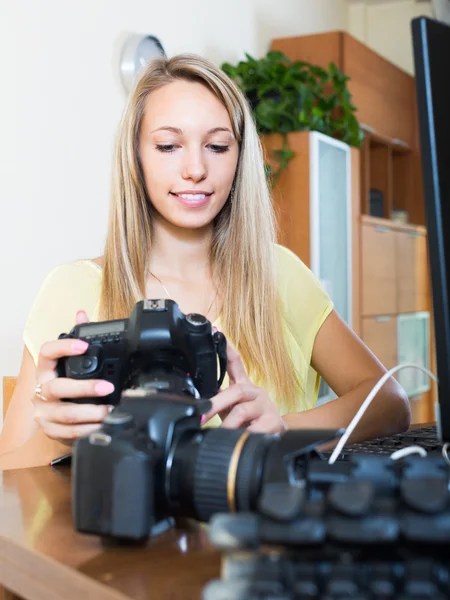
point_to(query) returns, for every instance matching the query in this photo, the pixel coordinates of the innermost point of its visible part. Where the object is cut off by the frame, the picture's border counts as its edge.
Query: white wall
(386, 27)
(60, 102)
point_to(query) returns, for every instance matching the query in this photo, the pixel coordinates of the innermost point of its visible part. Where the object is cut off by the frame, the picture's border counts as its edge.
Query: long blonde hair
(242, 252)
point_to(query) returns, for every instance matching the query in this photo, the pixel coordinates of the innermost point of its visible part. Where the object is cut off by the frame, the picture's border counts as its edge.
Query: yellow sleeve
(66, 289)
(306, 306)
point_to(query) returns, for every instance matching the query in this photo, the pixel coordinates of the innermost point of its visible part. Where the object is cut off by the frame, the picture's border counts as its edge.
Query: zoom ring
(211, 472)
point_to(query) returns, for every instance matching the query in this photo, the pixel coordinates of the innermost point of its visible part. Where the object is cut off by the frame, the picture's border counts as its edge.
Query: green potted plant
(288, 96)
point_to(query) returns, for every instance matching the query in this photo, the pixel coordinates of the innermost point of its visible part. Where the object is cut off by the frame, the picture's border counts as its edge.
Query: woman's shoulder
(67, 288)
(81, 268)
(292, 271)
(300, 290)
(74, 283)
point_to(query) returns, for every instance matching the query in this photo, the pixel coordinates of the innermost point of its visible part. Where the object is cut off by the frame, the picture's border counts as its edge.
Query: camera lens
(215, 470)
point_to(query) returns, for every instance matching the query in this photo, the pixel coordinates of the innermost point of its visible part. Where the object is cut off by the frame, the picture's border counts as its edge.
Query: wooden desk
(42, 557)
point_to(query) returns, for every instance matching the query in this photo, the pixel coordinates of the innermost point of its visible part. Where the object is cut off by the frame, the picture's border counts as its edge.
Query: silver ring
(39, 394)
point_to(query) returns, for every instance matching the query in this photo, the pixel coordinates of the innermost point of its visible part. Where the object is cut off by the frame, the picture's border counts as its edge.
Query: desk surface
(43, 557)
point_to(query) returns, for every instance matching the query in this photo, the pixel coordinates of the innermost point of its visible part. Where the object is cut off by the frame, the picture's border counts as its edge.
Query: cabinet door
(380, 335)
(330, 206)
(379, 296)
(412, 271)
(413, 346)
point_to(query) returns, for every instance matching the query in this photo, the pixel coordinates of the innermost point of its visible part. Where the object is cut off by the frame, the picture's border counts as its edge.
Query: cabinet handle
(399, 142)
(381, 228)
(383, 319)
(367, 128)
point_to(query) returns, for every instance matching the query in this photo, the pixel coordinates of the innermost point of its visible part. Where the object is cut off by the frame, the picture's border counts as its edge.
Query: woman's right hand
(67, 421)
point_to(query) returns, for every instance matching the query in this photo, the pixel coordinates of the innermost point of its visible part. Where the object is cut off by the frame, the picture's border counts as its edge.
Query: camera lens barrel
(218, 470)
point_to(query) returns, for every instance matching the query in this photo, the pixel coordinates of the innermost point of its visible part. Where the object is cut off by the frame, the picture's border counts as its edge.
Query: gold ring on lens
(232, 471)
(39, 394)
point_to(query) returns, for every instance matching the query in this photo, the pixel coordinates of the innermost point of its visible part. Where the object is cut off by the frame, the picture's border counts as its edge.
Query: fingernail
(110, 408)
(80, 346)
(203, 420)
(103, 388)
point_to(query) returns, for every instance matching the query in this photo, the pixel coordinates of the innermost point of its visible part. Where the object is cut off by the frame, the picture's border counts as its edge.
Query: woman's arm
(351, 370)
(22, 442)
(37, 430)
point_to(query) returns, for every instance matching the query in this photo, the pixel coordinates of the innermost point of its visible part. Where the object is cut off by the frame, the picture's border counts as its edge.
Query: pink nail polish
(80, 346)
(103, 388)
(203, 420)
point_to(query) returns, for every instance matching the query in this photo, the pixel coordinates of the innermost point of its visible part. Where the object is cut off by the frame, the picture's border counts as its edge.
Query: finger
(81, 317)
(242, 413)
(69, 433)
(65, 387)
(52, 351)
(69, 413)
(229, 397)
(235, 367)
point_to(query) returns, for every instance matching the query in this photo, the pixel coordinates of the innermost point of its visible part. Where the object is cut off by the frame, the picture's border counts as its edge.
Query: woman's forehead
(186, 106)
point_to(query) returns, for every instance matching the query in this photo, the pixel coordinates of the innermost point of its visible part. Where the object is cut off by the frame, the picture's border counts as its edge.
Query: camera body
(123, 477)
(142, 351)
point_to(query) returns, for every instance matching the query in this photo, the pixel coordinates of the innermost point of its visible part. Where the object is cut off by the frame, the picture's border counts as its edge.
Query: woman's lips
(192, 200)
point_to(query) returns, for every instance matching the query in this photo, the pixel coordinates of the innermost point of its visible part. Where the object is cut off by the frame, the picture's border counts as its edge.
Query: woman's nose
(194, 167)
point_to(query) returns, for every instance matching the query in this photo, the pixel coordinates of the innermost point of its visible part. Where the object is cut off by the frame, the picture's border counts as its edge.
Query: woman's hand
(67, 421)
(243, 404)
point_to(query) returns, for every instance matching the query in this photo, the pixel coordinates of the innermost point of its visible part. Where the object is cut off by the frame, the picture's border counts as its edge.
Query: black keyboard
(426, 437)
(259, 577)
(368, 528)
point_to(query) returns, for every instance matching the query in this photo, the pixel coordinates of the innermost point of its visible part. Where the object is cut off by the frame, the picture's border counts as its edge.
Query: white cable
(402, 452)
(445, 453)
(364, 406)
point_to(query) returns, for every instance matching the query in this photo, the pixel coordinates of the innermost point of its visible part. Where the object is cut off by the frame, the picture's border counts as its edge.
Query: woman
(191, 219)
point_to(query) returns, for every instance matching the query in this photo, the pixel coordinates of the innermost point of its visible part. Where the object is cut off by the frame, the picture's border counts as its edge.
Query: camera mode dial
(196, 320)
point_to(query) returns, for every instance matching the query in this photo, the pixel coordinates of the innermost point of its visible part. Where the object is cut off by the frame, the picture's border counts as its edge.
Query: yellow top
(76, 286)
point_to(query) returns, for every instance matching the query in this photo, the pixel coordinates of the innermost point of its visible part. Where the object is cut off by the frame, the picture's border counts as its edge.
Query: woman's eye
(166, 147)
(218, 149)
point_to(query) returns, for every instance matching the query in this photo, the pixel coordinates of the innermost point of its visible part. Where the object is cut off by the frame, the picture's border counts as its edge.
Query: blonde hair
(242, 252)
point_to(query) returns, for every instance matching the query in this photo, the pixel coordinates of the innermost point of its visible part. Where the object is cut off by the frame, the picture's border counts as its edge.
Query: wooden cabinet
(389, 260)
(378, 276)
(394, 268)
(383, 93)
(412, 272)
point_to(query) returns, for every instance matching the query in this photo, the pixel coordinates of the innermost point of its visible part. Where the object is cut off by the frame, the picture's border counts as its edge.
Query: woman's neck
(180, 253)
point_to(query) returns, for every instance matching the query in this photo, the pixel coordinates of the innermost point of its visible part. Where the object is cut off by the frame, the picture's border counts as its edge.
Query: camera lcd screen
(102, 328)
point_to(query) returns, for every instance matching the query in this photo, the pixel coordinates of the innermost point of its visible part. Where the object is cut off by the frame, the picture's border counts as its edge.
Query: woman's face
(188, 153)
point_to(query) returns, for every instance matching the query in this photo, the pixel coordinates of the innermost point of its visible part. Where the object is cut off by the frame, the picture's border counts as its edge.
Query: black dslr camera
(158, 347)
(151, 459)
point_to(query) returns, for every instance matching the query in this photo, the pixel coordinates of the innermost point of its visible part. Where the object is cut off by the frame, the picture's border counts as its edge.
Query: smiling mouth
(192, 197)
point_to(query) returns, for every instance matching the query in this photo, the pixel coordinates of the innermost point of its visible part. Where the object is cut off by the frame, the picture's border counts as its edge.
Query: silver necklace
(170, 297)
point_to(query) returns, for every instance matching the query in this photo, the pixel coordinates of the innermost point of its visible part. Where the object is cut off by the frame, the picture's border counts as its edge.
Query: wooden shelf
(388, 170)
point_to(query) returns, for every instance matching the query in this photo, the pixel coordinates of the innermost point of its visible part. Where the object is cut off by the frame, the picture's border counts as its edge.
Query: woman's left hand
(243, 404)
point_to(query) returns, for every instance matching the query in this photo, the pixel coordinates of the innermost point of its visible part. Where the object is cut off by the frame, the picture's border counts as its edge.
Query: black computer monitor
(431, 41)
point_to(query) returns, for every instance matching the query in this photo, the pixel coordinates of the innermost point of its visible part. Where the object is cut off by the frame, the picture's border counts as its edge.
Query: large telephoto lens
(215, 470)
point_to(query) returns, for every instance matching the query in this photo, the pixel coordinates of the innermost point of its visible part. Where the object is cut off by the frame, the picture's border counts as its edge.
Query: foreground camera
(151, 459)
